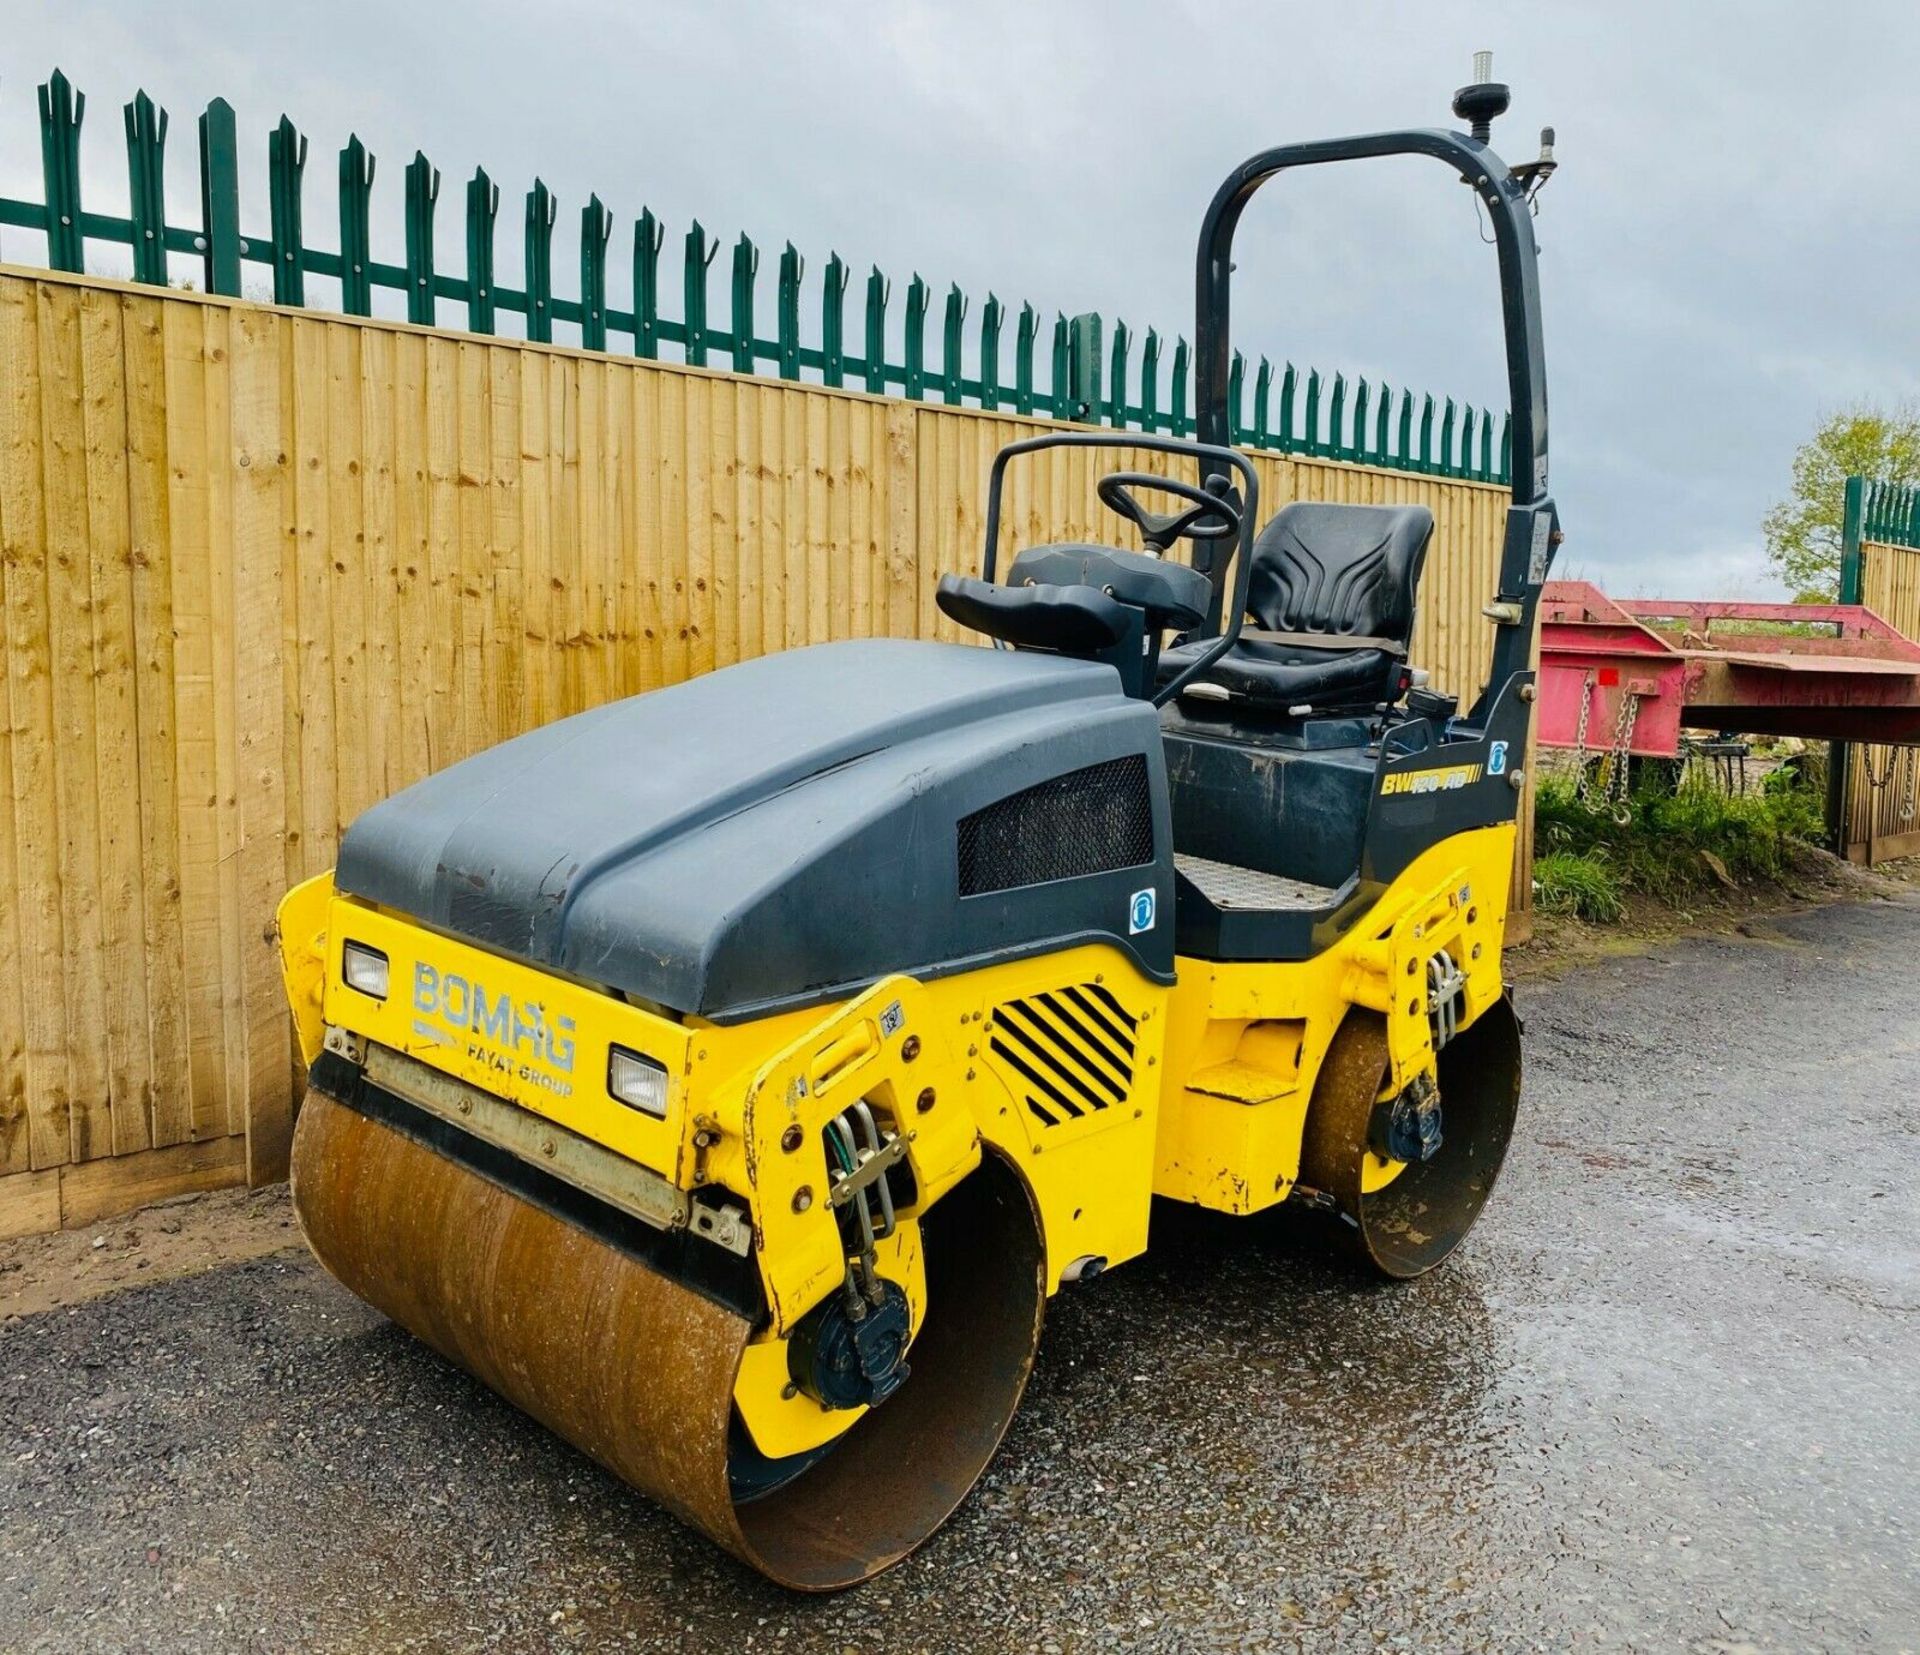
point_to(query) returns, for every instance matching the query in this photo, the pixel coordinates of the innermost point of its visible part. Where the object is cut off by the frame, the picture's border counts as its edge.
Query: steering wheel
(1208, 516)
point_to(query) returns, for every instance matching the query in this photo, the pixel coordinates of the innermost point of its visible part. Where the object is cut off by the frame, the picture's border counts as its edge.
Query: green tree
(1803, 530)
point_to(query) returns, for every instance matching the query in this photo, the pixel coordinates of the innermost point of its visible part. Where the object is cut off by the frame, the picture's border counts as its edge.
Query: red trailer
(1628, 674)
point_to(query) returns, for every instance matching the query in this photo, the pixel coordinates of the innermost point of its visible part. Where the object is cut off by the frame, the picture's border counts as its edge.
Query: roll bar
(1532, 523)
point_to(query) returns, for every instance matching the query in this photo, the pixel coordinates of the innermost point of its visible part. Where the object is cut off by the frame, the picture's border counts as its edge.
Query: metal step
(1247, 890)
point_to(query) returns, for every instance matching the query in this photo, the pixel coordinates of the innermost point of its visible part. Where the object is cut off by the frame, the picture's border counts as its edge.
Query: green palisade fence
(1299, 412)
(1890, 513)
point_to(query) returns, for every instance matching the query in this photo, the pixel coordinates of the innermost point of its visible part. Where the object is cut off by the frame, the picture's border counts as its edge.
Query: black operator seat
(1075, 598)
(1330, 599)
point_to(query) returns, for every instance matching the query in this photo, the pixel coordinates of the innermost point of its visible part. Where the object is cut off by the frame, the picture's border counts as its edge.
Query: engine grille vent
(1095, 820)
(1069, 1051)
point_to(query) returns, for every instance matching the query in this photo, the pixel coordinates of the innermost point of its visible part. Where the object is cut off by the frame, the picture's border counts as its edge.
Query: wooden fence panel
(263, 567)
(1883, 783)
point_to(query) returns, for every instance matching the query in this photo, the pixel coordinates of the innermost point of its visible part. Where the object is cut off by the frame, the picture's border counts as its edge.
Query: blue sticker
(1497, 759)
(1140, 913)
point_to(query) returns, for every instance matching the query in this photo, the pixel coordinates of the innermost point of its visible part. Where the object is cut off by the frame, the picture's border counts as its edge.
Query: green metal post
(992, 314)
(879, 291)
(286, 162)
(1177, 387)
(542, 211)
(1853, 514)
(700, 254)
(648, 237)
(1426, 433)
(1313, 412)
(483, 207)
(1360, 394)
(1405, 451)
(1060, 387)
(1026, 336)
(746, 266)
(916, 338)
(596, 230)
(61, 111)
(1236, 398)
(1261, 435)
(423, 191)
(1117, 382)
(1486, 445)
(787, 309)
(147, 187)
(356, 236)
(1083, 368)
(1289, 381)
(950, 364)
(833, 323)
(1505, 473)
(1337, 418)
(1446, 440)
(220, 199)
(1150, 382)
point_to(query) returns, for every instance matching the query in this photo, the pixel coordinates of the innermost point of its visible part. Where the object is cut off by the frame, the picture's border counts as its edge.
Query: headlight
(637, 1081)
(364, 968)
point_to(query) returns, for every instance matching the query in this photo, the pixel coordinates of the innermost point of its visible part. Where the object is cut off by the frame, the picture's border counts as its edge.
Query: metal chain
(1611, 794)
(1866, 764)
(1913, 780)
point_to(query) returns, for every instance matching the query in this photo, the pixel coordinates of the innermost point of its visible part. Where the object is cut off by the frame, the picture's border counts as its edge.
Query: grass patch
(1675, 843)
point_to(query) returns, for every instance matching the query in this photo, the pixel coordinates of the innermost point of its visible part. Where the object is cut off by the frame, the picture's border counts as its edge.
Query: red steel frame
(1857, 679)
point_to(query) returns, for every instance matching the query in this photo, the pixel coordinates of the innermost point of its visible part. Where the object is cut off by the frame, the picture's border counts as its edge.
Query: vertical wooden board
(903, 518)
(36, 1104)
(346, 570)
(508, 583)
(866, 518)
(765, 512)
(564, 405)
(832, 465)
(671, 490)
(445, 721)
(151, 544)
(419, 642)
(261, 525)
(649, 620)
(221, 331)
(808, 596)
(192, 553)
(538, 579)
(738, 589)
(70, 598)
(586, 459)
(15, 1146)
(377, 701)
(306, 612)
(702, 606)
(116, 737)
(476, 679)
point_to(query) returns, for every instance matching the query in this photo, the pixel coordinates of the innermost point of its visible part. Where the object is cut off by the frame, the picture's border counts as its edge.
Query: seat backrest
(1339, 569)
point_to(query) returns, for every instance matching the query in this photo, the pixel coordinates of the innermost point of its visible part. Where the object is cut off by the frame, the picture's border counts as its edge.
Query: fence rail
(1293, 411)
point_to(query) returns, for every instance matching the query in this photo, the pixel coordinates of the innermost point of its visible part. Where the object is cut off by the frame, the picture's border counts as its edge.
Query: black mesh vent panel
(1088, 821)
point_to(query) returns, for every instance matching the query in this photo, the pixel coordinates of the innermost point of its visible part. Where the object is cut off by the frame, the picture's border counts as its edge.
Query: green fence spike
(793, 269)
(286, 164)
(483, 208)
(1405, 455)
(700, 254)
(147, 187)
(1312, 444)
(746, 267)
(1360, 392)
(916, 338)
(1446, 439)
(1289, 383)
(1060, 387)
(950, 325)
(1117, 382)
(1026, 336)
(992, 314)
(61, 111)
(879, 291)
(356, 251)
(833, 323)
(543, 209)
(649, 235)
(1177, 388)
(1466, 440)
(1083, 368)
(423, 192)
(1426, 433)
(1236, 398)
(1337, 418)
(1261, 436)
(1505, 474)
(1383, 420)
(1486, 444)
(596, 230)
(219, 239)
(1150, 417)
(1857, 523)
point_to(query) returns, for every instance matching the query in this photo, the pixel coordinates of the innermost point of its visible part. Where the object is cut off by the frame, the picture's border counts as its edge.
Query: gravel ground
(1664, 1399)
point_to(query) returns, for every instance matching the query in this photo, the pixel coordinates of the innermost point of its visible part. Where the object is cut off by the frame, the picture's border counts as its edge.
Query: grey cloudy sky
(1728, 249)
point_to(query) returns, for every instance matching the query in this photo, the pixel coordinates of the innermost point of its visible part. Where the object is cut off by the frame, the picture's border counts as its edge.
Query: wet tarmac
(1668, 1397)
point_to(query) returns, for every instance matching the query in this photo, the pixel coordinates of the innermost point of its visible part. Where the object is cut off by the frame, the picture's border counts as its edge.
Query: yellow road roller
(728, 1076)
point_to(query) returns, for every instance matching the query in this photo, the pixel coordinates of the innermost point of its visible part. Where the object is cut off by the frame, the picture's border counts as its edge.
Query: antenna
(1485, 99)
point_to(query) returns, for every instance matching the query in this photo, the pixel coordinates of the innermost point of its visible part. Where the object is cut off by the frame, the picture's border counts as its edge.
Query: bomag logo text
(515, 1038)
(1441, 780)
